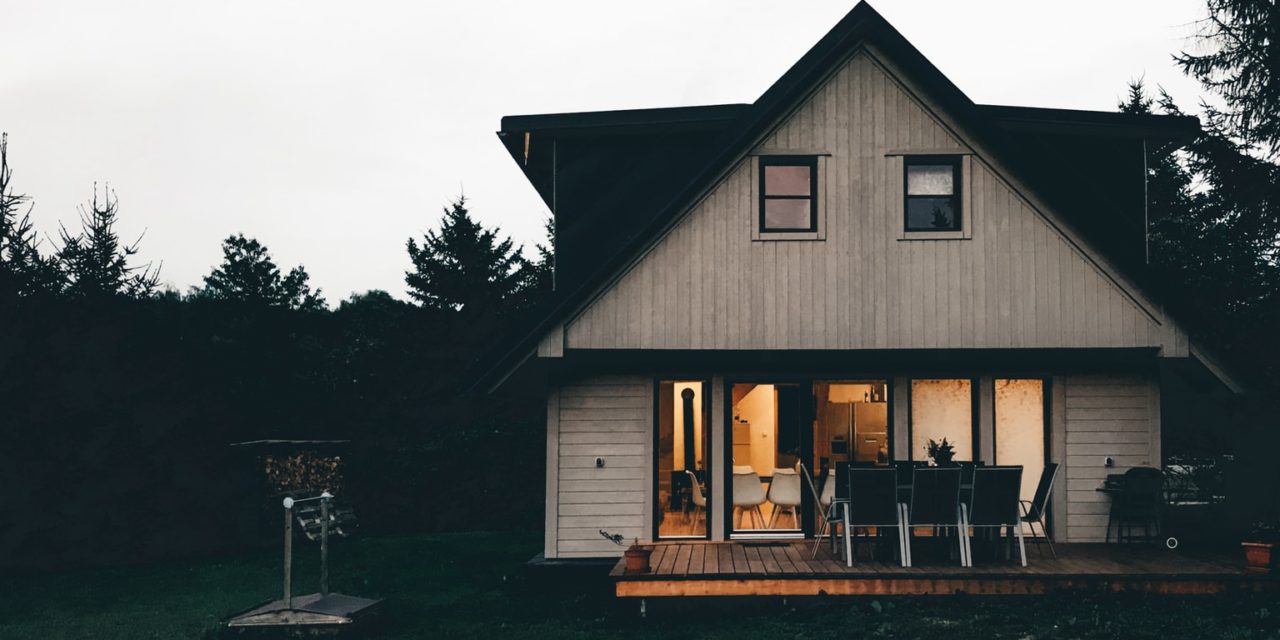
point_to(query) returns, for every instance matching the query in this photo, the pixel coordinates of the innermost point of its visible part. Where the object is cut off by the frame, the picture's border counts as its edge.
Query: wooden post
(324, 546)
(288, 558)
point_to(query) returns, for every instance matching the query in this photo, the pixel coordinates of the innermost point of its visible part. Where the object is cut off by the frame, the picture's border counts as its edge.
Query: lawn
(472, 586)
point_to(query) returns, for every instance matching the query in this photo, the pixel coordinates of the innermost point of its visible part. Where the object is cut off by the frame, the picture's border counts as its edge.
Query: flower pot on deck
(1257, 556)
(637, 559)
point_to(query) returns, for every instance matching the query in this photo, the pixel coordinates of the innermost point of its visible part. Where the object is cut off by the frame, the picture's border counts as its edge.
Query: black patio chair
(831, 515)
(1139, 501)
(1033, 512)
(906, 469)
(995, 504)
(873, 502)
(935, 502)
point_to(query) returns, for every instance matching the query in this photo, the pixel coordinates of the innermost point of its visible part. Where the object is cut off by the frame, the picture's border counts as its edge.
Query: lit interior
(681, 450)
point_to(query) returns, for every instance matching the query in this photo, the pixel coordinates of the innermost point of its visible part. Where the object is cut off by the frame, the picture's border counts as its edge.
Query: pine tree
(23, 269)
(466, 268)
(540, 273)
(1242, 66)
(248, 274)
(94, 262)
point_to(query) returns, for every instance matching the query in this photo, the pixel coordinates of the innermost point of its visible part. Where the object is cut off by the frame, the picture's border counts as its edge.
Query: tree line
(122, 398)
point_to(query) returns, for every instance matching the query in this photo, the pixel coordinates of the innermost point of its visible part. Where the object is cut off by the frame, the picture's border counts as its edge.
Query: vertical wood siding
(1116, 416)
(1016, 283)
(610, 418)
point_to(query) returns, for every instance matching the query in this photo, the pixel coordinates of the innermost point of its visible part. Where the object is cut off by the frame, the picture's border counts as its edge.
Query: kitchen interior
(850, 422)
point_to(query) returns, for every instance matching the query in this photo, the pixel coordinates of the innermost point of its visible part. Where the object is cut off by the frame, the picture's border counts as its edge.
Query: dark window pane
(931, 214)
(786, 214)
(786, 181)
(930, 180)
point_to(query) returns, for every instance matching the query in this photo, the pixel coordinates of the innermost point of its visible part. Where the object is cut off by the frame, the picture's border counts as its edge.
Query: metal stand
(320, 612)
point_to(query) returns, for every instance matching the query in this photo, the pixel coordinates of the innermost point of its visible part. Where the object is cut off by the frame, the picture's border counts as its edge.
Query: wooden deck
(785, 569)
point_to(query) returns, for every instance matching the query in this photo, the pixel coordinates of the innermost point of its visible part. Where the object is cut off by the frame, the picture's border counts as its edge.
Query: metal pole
(288, 555)
(324, 546)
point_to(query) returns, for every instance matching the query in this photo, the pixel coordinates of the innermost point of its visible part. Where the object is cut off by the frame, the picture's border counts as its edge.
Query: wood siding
(610, 418)
(1105, 416)
(1017, 282)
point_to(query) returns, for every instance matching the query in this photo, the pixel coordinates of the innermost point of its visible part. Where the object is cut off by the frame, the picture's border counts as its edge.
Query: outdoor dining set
(963, 499)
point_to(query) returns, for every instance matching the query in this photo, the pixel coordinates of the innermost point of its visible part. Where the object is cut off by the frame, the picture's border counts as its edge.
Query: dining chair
(748, 495)
(784, 495)
(1033, 511)
(873, 502)
(832, 511)
(995, 502)
(906, 469)
(935, 502)
(698, 498)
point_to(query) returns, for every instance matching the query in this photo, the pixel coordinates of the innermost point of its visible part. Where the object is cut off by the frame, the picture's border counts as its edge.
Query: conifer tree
(94, 263)
(464, 267)
(248, 274)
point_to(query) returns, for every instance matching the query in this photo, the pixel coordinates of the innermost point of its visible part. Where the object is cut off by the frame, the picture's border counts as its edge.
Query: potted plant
(1259, 547)
(637, 556)
(940, 452)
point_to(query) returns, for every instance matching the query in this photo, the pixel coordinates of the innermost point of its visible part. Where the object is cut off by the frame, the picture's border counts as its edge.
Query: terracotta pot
(637, 559)
(1257, 556)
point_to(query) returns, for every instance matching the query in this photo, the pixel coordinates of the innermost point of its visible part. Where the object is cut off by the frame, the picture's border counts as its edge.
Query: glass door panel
(767, 441)
(682, 445)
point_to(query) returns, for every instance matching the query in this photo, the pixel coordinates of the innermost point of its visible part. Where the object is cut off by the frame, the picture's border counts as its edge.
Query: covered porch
(785, 568)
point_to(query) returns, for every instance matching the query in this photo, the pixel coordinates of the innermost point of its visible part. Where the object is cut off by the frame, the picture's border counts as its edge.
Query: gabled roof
(729, 131)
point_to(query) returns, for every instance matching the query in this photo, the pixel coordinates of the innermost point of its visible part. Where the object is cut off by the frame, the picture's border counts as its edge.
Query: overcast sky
(333, 131)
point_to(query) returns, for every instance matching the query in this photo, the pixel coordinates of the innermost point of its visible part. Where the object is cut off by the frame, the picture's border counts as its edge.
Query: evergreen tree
(94, 262)
(540, 273)
(1242, 66)
(248, 274)
(466, 268)
(1215, 212)
(23, 269)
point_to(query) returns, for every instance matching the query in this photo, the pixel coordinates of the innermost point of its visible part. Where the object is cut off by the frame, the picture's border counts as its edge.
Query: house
(860, 261)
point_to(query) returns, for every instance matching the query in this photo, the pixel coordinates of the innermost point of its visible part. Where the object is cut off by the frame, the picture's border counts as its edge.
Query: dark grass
(474, 586)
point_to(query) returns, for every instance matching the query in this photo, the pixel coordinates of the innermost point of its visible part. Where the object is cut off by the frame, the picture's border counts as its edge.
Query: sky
(334, 131)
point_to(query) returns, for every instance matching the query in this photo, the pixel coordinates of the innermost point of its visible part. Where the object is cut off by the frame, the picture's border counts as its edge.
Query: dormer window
(788, 194)
(932, 197)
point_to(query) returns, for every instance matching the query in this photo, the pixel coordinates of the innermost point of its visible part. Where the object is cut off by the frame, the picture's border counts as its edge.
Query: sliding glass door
(769, 435)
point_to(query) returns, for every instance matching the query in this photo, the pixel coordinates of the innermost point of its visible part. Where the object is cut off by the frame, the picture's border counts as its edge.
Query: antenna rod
(324, 544)
(288, 553)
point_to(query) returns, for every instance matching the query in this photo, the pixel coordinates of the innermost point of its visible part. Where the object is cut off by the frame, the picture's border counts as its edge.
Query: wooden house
(860, 261)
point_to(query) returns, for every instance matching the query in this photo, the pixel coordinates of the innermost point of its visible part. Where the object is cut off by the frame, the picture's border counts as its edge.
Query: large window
(1020, 433)
(683, 482)
(942, 409)
(788, 193)
(932, 198)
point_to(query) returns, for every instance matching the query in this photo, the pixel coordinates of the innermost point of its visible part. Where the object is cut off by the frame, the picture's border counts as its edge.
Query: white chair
(748, 495)
(784, 494)
(699, 500)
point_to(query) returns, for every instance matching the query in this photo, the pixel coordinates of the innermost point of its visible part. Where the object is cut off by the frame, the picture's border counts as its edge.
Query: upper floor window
(932, 198)
(788, 193)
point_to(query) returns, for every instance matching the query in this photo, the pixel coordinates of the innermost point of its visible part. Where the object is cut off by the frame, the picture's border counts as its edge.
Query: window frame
(799, 160)
(956, 162)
